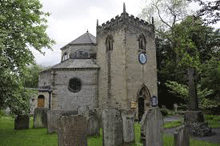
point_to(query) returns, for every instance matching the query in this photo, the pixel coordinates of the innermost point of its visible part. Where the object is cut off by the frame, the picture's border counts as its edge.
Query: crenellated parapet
(124, 19)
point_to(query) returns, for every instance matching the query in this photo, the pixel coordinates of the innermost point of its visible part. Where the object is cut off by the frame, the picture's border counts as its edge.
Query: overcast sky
(71, 18)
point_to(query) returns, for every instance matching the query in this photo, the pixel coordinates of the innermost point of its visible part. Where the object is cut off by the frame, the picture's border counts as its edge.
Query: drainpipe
(49, 91)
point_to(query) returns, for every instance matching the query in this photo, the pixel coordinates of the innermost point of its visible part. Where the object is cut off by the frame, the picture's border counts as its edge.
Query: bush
(1, 113)
(164, 111)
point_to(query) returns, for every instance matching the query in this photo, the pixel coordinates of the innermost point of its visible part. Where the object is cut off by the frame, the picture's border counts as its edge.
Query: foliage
(210, 78)
(22, 26)
(178, 89)
(31, 74)
(164, 111)
(210, 10)
(181, 90)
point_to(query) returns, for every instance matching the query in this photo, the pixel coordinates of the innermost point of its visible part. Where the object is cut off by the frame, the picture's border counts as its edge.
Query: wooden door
(41, 101)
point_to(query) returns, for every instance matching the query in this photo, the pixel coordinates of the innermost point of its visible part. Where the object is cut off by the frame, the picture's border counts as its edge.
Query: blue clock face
(142, 58)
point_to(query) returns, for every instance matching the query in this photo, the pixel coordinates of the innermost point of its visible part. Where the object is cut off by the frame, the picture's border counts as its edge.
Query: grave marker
(112, 127)
(72, 131)
(153, 127)
(40, 117)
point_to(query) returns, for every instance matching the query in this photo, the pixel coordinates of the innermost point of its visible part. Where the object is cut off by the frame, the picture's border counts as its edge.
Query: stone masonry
(126, 73)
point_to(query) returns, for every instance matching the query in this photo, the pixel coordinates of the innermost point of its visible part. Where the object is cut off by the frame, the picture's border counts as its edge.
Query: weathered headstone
(181, 136)
(72, 131)
(53, 117)
(82, 110)
(112, 127)
(40, 117)
(93, 123)
(22, 122)
(128, 126)
(153, 127)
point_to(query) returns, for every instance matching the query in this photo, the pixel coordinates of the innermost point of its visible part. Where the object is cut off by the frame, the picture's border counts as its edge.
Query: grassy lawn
(213, 120)
(39, 137)
(172, 124)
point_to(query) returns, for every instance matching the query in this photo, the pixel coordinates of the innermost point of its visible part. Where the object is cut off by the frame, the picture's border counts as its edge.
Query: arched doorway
(41, 101)
(143, 101)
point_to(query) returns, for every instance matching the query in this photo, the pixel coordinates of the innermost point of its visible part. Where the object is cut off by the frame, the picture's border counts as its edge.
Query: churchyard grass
(213, 120)
(39, 136)
(172, 124)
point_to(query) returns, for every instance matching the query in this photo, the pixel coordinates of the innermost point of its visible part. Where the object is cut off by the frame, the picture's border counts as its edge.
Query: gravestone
(112, 127)
(93, 123)
(152, 125)
(82, 110)
(128, 126)
(72, 131)
(40, 117)
(181, 136)
(21, 122)
(53, 117)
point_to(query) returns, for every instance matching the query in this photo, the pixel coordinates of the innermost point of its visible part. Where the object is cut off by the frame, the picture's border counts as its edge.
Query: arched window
(65, 56)
(74, 85)
(142, 42)
(109, 43)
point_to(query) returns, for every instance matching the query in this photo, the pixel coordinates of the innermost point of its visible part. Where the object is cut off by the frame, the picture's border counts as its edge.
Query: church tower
(126, 55)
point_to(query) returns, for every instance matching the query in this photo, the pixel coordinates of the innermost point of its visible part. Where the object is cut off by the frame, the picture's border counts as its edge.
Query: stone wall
(126, 73)
(44, 78)
(64, 99)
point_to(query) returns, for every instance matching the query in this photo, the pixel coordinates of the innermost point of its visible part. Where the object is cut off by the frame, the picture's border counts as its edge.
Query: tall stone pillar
(194, 119)
(193, 99)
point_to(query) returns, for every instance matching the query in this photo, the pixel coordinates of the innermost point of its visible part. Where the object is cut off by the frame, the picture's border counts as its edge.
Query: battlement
(124, 18)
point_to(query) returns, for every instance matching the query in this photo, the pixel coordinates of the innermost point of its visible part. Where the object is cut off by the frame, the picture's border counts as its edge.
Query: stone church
(117, 68)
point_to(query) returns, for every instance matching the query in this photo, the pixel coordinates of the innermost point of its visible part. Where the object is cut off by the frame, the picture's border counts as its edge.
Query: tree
(31, 75)
(22, 26)
(210, 10)
(196, 45)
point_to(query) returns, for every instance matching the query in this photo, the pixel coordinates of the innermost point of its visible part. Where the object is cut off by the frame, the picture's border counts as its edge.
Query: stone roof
(75, 64)
(86, 38)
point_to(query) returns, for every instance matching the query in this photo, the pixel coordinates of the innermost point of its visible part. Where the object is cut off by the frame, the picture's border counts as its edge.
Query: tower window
(65, 56)
(74, 85)
(142, 42)
(109, 43)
